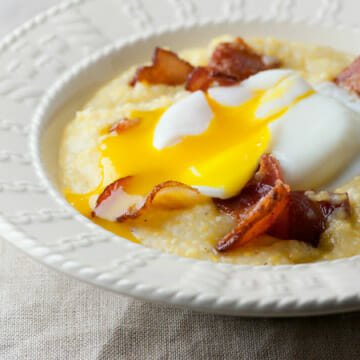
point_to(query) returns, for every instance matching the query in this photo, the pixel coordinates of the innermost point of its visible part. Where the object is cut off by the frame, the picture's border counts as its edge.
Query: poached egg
(213, 141)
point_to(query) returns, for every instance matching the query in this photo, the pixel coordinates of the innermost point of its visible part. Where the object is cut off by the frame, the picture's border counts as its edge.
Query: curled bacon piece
(263, 206)
(115, 203)
(167, 68)
(257, 206)
(304, 218)
(115, 199)
(123, 124)
(230, 62)
(176, 195)
(349, 78)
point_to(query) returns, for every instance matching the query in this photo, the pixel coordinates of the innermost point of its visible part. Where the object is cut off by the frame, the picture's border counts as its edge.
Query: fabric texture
(45, 315)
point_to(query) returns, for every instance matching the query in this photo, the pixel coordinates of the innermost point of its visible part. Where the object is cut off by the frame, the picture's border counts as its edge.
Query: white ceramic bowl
(74, 245)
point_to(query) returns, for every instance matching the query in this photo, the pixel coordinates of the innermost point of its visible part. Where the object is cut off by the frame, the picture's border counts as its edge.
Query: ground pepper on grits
(193, 232)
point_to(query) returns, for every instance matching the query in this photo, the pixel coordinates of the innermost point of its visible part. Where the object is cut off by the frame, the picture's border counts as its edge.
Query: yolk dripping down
(81, 202)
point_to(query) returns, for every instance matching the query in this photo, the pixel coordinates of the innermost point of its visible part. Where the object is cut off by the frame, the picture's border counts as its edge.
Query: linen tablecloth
(46, 315)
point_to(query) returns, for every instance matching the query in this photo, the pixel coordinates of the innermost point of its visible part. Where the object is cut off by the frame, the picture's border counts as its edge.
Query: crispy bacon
(115, 196)
(257, 206)
(167, 68)
(238, 59)
(202, 77)
(199, 79)
(123, 124)
(177, 195)
(304, 219)
(349, 78)
(230, 63)
(296, 215)
(301, 219)
(169, 194)
(257, 219)
(109, 190)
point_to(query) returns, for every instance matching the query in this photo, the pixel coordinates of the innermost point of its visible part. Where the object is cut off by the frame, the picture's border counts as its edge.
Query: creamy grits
(194, 231)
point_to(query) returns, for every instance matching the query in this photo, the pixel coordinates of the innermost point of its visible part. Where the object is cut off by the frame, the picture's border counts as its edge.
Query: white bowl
(92, 254)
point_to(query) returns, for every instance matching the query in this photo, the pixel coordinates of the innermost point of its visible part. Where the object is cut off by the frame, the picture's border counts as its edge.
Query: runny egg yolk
(223, 157)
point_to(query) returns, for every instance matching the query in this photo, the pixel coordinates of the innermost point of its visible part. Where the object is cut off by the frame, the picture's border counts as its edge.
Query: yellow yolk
(225, 155)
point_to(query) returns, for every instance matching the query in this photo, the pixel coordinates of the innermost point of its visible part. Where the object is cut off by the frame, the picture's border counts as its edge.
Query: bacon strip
(171, 194)
(123, 124)
(349, 78)
(115, 199)
(167, 68)
(202, 77)
(291, 215)
(258, 205)
(257, 219)
(238, 59)
(305, 219)
(230, 63)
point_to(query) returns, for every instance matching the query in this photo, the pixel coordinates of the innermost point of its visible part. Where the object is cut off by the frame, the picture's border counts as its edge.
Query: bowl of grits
(175, 154)
(222, 147)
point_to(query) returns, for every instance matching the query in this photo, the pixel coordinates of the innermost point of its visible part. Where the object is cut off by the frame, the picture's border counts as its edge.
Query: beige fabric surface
(46, 316)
